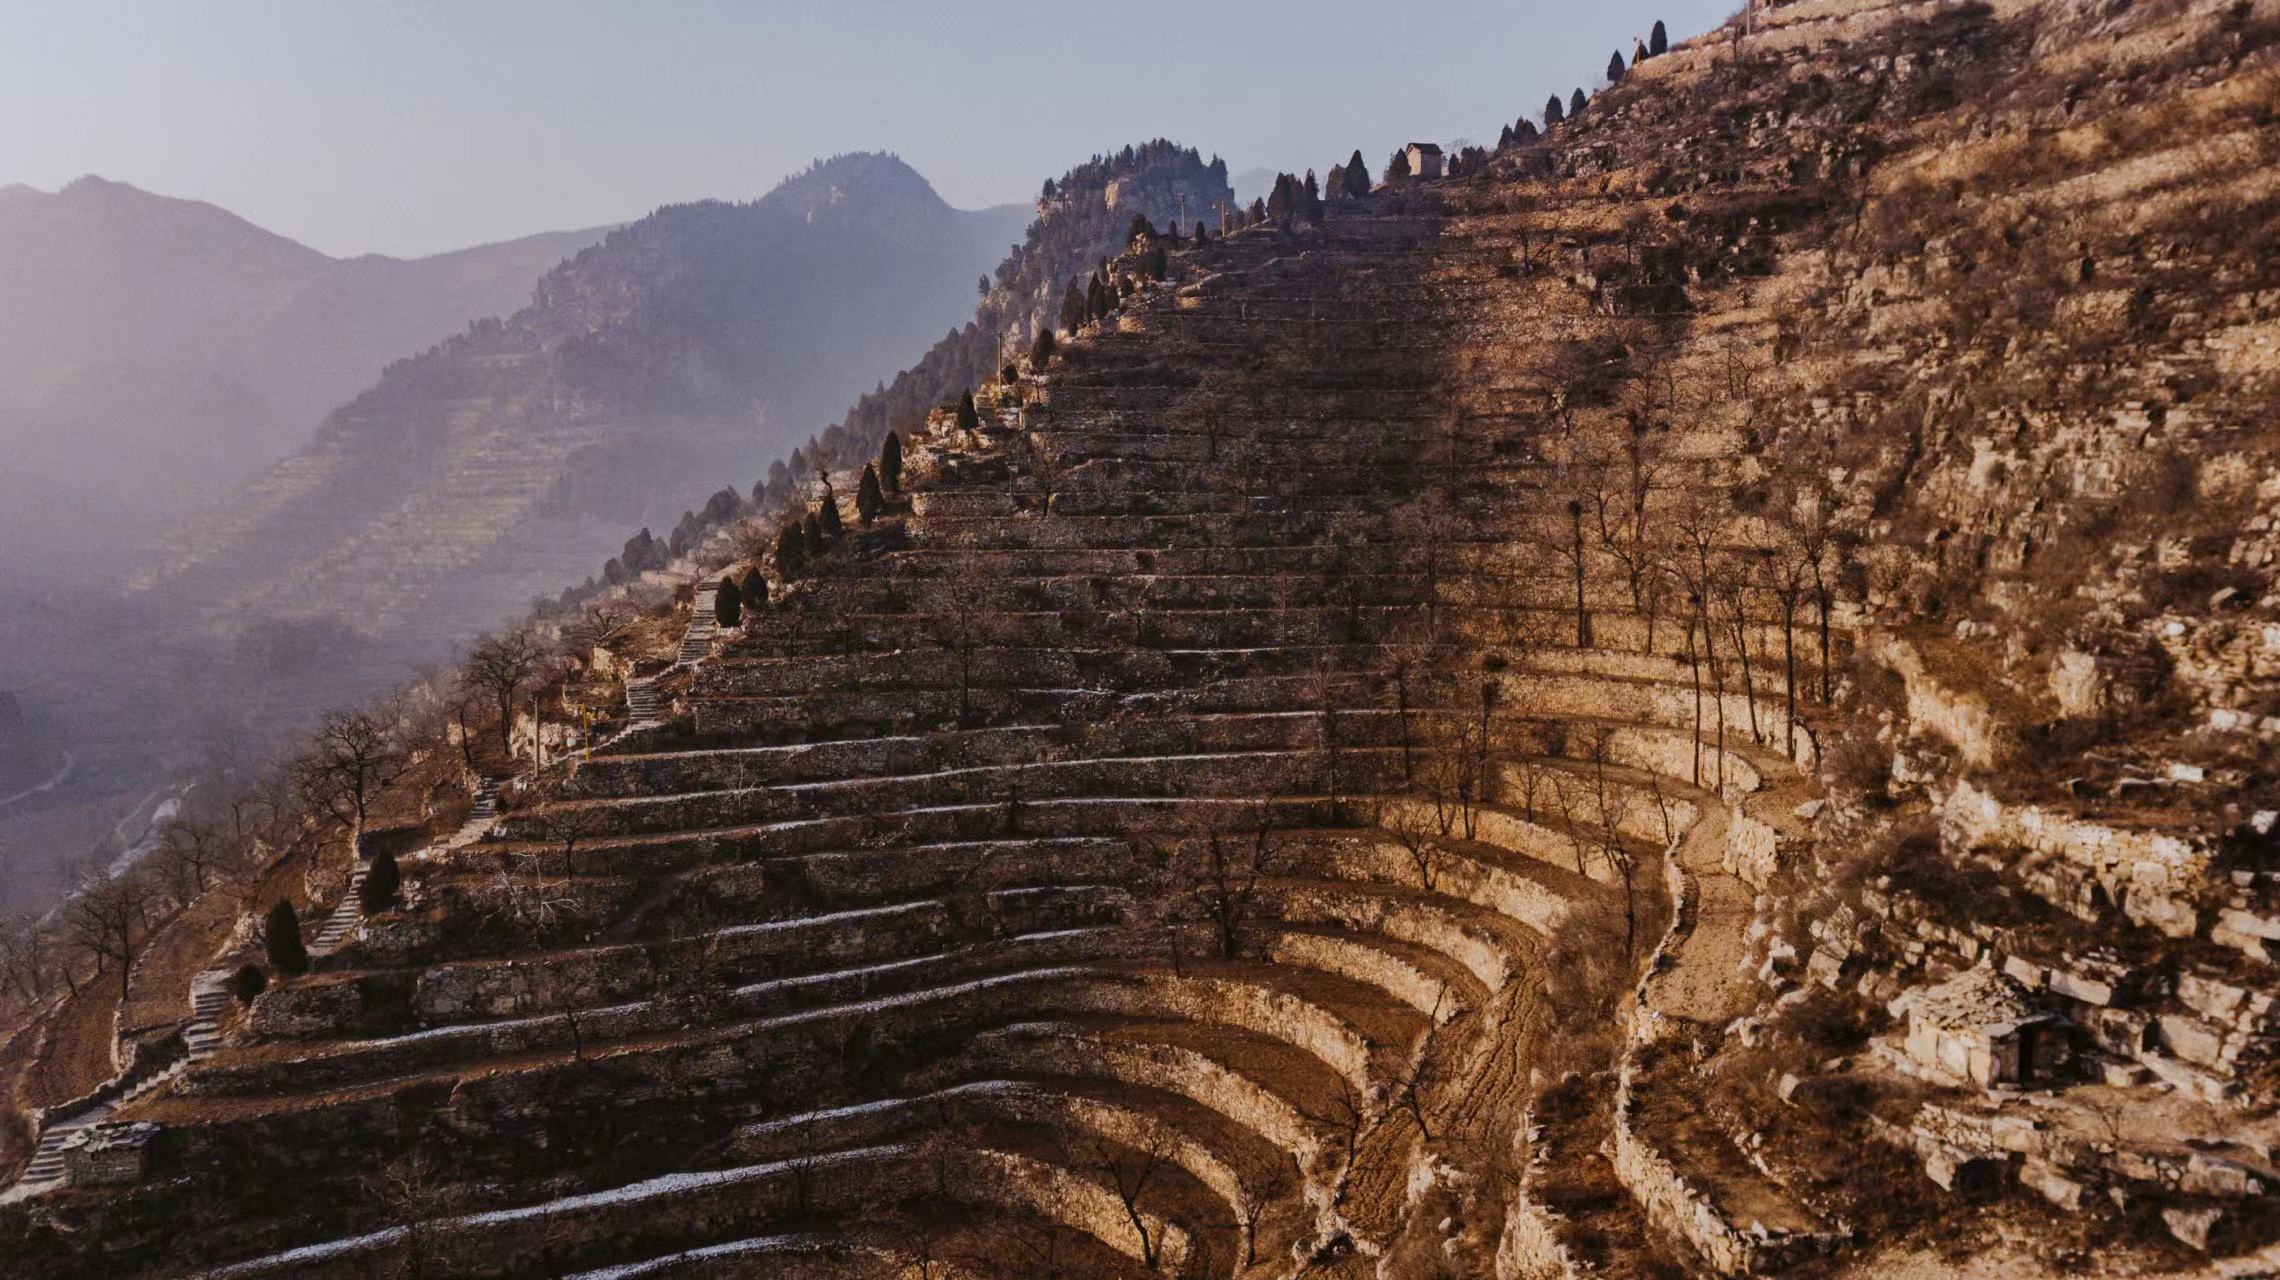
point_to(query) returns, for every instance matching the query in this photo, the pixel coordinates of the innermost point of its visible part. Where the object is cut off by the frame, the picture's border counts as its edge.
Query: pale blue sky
(410, 126)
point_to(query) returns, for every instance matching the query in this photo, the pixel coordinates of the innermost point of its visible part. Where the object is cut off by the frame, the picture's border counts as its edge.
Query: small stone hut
(1983, 1028)
(107, 1155)
(1424, 160)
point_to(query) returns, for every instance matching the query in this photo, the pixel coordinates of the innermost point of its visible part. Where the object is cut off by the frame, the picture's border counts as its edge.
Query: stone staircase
(642, 705)
(341, 924)
(704, 628)
(209, 997)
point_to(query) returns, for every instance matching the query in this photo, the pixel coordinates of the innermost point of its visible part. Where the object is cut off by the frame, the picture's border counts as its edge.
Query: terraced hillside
(1322, 780)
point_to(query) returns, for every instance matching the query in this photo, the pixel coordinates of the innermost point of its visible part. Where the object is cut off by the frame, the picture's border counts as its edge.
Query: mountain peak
(876, 180)
(95, 184)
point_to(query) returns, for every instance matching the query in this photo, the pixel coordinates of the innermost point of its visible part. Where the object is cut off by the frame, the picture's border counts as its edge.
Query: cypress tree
(827, 516)
(1357, 174)
(1615, 67)
(1041, 351)
(249, 981)
(1658, 40)
(890, 461)
(1639, 52)
(969, 418)
(811, 533)
(1172, 236)
(381, 882)
(1576, 104)
(791, 549)
(1504, 139)
(1258, 212)
(1281, 202)
(1335, 184)
(728, 603)
(868, 500)
(753, 590)
(1554, 113)
(1202, 234)
(281, 938)
(1310, 199)
(1397, 168)
(1073, 305)
(1097, 302)
(1140, 229)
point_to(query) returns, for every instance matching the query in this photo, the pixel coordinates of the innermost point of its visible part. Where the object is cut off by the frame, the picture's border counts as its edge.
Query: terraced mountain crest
(1468, 736)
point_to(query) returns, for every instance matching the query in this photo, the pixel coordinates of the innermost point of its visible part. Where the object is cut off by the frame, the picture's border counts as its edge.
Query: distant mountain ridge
(155, 351)
(670, 359)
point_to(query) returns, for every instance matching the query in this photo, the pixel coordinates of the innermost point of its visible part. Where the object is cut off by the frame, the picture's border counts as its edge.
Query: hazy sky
(410, 126)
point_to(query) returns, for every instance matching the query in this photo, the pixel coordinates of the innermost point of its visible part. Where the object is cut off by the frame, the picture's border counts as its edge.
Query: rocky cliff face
(1495, 734)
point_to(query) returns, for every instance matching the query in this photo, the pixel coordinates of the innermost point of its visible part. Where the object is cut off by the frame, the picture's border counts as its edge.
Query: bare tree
(190, 851)
(959, 621)
(1221, 870)
(108, 919)
(1736, 580)
(1611, 804)
(1619, 511)
(27, 958)
(501, 666)
(1348, 1115)
(1414, 832)
(569, 826)
(1787, 575)
(351, 758)
(603, 623)
(413, 1192)
(1131, 1172)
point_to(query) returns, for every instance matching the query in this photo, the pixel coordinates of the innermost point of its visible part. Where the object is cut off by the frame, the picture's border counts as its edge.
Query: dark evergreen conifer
(1041, 351)
(969, 418)
(868, 500)
(1073, 305)
(1258, 212)
(382, 881)
(752, 588)
(890, 461)
(1397, 168)
(1357, 175)
(791, 549)
(1576, 103)
(1658, 40)
(1141, 229)
(1614, 67)
(827, 516)
(1554, 113)
(811, 533)
(249, 981)
(728, 602)
(1202, 234)
(281, 938)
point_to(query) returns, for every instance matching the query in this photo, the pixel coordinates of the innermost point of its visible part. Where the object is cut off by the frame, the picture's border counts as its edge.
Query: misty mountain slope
(183, 348)
(659, 365)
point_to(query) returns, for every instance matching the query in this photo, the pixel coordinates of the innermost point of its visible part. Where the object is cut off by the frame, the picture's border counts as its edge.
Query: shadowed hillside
(1694, 698)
